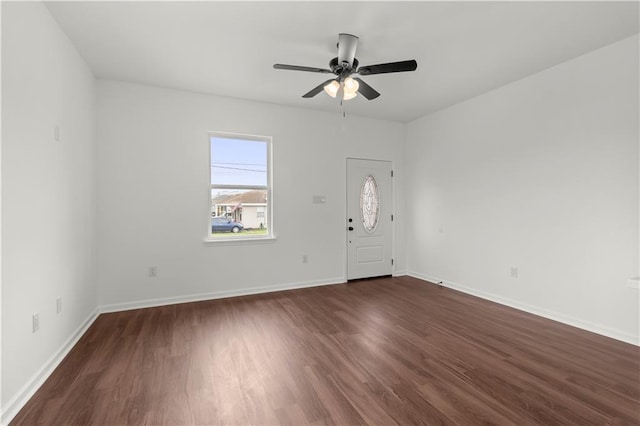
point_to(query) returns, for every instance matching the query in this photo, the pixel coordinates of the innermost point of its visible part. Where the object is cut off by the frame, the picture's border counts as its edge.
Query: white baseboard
(542, 312)
(399, 273)
(149, 303)
(15, 404)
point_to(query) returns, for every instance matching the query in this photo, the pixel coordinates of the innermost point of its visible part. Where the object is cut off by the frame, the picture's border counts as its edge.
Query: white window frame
(270, 236)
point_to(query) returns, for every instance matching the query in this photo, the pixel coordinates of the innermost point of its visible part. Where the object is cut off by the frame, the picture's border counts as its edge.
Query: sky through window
(238, 162)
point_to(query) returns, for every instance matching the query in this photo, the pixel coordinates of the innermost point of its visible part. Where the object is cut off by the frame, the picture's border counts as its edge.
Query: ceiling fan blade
(401, 66)
(365, 90)
(347, 45)
(311, 93)
(299, 68)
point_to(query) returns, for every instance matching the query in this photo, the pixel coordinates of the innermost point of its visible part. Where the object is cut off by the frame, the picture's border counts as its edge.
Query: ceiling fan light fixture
(348, 96)
(350, 88)
(332, 88)
(350, 85)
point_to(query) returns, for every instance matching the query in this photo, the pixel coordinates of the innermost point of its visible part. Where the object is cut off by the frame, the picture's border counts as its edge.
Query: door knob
(351, 228)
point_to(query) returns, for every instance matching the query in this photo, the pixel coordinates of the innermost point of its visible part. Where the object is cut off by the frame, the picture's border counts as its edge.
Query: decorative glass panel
(369, 203)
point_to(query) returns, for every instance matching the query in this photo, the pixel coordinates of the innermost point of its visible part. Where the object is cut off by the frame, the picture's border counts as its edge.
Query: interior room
(444, 227)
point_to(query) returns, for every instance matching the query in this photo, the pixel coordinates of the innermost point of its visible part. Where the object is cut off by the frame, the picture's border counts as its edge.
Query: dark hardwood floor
(386, 351)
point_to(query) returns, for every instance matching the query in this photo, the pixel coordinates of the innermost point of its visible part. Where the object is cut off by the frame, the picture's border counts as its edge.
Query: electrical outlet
(36, 322)
(153, 271)
(58, 305)
(514, 272)
(305, 258)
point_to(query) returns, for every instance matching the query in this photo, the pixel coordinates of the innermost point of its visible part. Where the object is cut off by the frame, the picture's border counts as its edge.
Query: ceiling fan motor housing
(343, 70)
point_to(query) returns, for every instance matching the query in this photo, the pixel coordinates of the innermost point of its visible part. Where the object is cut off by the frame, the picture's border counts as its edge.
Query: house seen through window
(240, 186)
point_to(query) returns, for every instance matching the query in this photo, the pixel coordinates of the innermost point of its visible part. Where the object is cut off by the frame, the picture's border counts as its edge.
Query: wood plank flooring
(381, 352)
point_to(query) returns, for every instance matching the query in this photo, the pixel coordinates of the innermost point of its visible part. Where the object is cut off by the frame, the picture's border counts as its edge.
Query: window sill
(243, 240)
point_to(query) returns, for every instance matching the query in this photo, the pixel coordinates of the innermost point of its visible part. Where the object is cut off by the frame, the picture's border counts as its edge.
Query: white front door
(369, 210)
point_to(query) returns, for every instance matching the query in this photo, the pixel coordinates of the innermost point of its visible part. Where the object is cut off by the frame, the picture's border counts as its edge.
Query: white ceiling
(463, 49)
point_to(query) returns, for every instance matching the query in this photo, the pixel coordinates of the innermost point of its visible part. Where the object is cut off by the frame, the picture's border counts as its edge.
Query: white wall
(48, 190)
(153, 194)
(0, 227)
(541, 174)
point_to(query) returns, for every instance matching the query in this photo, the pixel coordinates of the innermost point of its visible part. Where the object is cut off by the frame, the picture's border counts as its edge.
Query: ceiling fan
(344, 86)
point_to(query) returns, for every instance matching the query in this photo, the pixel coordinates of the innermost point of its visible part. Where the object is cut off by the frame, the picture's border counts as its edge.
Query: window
(240, 187)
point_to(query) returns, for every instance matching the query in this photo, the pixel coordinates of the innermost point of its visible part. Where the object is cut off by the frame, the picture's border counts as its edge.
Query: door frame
(346, 214)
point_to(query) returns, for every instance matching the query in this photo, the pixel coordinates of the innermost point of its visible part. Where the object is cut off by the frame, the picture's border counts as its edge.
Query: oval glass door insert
(369, 203)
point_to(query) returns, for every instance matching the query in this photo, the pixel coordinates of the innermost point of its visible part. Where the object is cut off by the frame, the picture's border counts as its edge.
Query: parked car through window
(222, 224)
